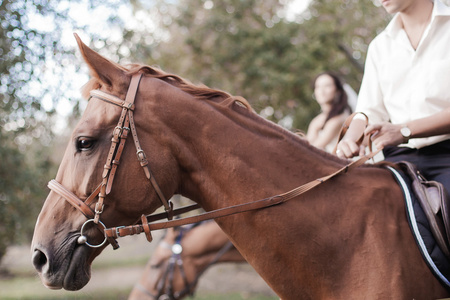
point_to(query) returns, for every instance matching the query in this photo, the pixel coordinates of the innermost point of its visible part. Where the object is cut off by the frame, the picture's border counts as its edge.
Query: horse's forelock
(92, 84)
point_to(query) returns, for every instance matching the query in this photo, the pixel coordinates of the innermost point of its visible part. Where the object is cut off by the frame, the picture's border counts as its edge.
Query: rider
(330, 94)
(405, 90)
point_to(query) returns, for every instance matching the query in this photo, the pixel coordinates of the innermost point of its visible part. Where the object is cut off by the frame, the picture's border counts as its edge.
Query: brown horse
(180, 259)
(346, 239)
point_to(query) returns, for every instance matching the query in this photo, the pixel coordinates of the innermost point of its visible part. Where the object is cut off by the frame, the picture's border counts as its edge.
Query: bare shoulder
(318, 121)
(338, 120)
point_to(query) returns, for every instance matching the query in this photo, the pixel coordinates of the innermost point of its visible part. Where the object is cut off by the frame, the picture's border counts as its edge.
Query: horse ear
(106, 71)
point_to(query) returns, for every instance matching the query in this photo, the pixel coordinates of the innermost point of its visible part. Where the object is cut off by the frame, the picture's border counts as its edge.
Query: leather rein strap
(346, 126)
(146, 227)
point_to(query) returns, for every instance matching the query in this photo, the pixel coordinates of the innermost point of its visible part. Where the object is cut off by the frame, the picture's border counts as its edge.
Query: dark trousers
(432, 161)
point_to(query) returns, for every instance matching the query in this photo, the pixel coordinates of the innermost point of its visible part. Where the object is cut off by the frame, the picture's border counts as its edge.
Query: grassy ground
(115, 272)
(29, 288)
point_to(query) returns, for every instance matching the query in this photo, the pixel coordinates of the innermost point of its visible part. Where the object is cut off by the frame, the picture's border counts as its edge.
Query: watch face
(406, 132)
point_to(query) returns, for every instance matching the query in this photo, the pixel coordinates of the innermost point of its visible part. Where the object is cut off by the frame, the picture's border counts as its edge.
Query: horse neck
(232, 155)
(207, 244)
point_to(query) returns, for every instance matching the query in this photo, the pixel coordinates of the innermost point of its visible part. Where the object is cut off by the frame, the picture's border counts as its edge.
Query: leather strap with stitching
(168, 206)
(116, 232)
(72, 199)
(109, 98)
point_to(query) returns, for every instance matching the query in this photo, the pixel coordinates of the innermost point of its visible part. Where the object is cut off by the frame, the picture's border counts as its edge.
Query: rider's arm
(327, 134)
(370, 102)
(348, 146)
(387, 134)
(433, 125)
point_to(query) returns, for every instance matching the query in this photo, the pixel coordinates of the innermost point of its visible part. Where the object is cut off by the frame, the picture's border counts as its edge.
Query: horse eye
(84, 144)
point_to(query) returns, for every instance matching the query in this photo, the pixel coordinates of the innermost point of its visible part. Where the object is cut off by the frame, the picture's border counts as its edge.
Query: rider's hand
(384, 134)
(348, 148)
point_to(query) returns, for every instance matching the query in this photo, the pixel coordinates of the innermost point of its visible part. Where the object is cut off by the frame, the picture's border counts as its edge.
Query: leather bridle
(164, 286)
(120, 134)
(124, 126)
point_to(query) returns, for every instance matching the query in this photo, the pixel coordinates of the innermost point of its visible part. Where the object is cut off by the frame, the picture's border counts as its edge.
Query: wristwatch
(406, 133)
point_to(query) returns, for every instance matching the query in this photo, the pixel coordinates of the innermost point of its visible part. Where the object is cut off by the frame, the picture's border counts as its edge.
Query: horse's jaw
(68, 267)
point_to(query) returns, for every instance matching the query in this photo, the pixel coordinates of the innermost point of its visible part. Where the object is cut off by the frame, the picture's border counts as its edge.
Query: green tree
(249, 48)
(335, 35)
(22, 118)
(242, 47)
(33, 71)
(338, 32)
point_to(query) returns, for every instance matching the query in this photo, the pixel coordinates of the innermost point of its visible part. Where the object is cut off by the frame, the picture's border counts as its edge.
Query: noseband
(119, 137)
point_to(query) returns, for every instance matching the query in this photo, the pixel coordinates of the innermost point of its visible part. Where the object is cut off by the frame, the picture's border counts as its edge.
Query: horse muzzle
(71, 273)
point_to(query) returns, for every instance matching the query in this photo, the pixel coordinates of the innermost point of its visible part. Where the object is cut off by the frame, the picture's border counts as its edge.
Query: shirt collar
(395, 25)
(440, 9)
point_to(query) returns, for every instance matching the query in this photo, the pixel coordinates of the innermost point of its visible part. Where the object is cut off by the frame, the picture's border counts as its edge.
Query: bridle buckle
(99, 207)
(120, 129)
(117, 230)
(141, 156)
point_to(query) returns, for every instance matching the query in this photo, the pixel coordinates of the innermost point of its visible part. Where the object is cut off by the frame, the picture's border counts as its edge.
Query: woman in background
(330, 94)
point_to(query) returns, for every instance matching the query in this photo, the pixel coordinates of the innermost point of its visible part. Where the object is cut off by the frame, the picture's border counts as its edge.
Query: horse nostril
(39, 260)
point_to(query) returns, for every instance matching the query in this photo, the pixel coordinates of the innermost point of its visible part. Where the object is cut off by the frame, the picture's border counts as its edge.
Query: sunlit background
(267, 51)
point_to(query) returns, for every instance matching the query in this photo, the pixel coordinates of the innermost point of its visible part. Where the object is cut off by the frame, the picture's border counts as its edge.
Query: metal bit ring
(83, 239)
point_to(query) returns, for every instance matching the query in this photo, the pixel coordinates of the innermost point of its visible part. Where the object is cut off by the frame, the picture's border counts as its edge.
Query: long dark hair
(340, 101)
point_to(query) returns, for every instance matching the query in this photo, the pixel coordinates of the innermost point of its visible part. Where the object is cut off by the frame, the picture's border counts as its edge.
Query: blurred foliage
(33, 70)
(249, 48)
(335, 35)
(22, 183)
(22, 52)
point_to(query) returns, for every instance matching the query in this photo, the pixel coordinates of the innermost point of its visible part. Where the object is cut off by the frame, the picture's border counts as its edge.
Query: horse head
(61, 259)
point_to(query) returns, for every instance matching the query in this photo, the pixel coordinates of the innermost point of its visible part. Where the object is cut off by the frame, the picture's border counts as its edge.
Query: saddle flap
(434, 202)
(434, 195)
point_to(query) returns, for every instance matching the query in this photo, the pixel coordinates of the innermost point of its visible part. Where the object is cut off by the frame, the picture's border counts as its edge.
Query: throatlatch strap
(168, 206)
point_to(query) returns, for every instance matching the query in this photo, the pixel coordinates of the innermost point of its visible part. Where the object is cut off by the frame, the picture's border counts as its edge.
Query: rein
(120, 133)
(147, 227)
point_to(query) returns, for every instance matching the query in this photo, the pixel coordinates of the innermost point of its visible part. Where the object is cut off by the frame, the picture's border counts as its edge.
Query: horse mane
(199, 91)
(202, 92)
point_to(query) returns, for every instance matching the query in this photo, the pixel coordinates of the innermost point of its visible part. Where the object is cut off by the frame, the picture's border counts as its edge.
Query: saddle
(435, 203)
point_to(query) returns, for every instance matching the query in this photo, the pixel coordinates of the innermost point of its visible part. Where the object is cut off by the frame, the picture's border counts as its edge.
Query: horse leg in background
(175, 274)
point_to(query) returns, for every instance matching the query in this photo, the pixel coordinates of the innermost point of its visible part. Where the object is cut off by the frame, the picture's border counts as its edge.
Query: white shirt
(401, 84)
